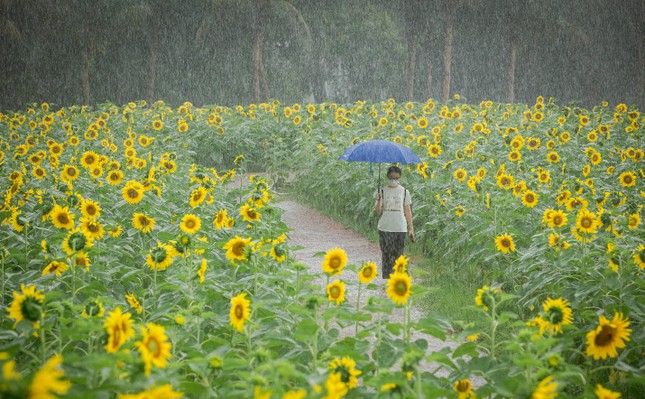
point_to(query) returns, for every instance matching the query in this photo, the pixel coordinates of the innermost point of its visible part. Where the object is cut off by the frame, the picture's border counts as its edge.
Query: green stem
(358, 304)
(43, 349)
(493, 329)
(406, 321)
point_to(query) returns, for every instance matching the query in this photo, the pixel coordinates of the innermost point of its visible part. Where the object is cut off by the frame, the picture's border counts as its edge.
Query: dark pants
(391, 248)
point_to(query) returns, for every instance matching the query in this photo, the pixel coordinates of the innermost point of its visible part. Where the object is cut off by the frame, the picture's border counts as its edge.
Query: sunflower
(132, 192)
(134, 302)
(639, 257)
(604, 393)
(69, 173)
(557, 313)
(422, 123)
(62, 217)
(75, 241)
(144, 141)
(39, 173)
(201, 273)
(92, 228)
(400, 264)
(586, 222)
(335, 260)
(505, 181)
(82, 260)
(434, 150)
(236, 249)
(399, 288)
(190, 223)
(460, 174)
(220, 219)
(557, 218)
(162, 392)
(504, 243)
(529, 199)
(346, 367)
(487, 296)
(115, 177)
(90, 209)
(119, 329)
(55, 267)
(514, 156)
(143, 223)
(367, 273)
(197, 196)
(278, 252)
(154, 347)
(93, 309)
(546, 389)
(27, 305)
(553, 157)
(89, 159)
(608, 336)
(249, 214)
(160, 258)
(336, 292)
(116, 231)
(627, 179)
(240, 311)
(335, 387)
(157, 124)
(48, 382)
(465, 389)
(633, 221)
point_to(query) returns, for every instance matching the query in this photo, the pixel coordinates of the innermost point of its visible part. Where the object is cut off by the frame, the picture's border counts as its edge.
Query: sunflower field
(135, 265)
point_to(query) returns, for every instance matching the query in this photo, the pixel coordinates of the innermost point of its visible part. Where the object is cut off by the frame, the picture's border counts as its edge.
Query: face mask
(394, 182)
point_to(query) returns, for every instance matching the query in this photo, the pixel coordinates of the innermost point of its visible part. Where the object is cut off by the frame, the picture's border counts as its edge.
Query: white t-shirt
(393, 217)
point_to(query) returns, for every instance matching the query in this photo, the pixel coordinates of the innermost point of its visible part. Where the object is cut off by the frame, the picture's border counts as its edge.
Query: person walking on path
(393, 207)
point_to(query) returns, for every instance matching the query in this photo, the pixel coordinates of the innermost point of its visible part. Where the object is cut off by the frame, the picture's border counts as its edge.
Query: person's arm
(408, 218)
(378, 205)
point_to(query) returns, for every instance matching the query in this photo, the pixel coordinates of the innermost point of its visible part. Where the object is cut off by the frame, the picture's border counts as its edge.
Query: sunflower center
(401, 287)
(586, 223)
(463, 386)
(91, 210)
(143, 221)
(505, 181)
(367, 272)
(133, 193)
(506, 242)
(530, 198)
(557, 220)
(238, 248)
(334, 263)
(63, 218)
(154, 347)
(197, 196)
(190, 223)
(627, 179)
(239, 311)
(334, 292)
(92, 227)
(71, 171)
(606, 336)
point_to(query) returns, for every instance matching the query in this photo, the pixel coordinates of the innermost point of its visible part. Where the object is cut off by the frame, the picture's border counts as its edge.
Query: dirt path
(317, 233)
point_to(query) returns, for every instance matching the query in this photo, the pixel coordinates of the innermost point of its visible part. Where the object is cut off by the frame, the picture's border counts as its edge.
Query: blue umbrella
(377, 151)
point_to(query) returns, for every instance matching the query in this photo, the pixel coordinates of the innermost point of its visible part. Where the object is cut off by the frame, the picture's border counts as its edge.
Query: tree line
(240, 51)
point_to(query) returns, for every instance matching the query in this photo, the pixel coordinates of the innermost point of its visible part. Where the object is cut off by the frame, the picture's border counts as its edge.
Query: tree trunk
(429, 77)
(260, 85)
(641, 60)
(85, 69)
(412, 61)
(153, 26)
(511, 70)
(447, 53)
